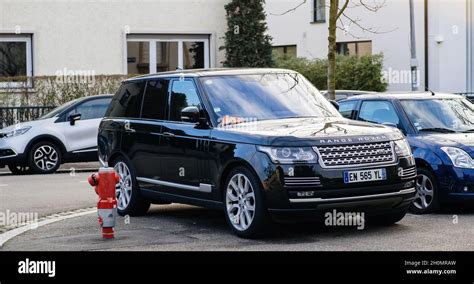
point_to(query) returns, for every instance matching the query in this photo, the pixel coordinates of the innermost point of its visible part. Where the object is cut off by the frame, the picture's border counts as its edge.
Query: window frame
(316, 6)
(357, 42)
(285, 49)
(153, 39)
(27, 38)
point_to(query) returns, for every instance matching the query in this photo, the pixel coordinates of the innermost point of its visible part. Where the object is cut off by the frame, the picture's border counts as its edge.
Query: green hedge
(352, 72)
(54, 91)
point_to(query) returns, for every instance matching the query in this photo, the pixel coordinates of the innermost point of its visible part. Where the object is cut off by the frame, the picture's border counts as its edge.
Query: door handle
(168, 134)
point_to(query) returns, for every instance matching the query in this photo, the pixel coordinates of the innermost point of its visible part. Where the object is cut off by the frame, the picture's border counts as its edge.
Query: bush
(352, 72)
(54, 91)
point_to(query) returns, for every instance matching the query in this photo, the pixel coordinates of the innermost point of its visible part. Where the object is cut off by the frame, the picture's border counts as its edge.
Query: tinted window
(379, 112)
(183, 94)
(348, 109)
(128, 101)
(154, 103)
(91, 109)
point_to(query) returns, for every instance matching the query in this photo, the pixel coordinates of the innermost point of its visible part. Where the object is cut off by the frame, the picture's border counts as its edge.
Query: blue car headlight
(16, 132)
(459, 157)
(290, 155)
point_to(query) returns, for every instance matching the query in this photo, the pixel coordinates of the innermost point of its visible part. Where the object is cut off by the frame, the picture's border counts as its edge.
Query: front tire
(129, 199)
(44, 158)
(426, 199)
(245, 208)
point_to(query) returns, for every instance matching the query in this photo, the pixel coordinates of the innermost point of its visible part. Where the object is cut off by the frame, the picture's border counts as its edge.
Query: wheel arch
(47, 138)
(228, 168)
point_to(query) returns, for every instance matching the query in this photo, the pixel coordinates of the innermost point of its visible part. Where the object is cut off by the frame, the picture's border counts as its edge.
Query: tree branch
(290, 10)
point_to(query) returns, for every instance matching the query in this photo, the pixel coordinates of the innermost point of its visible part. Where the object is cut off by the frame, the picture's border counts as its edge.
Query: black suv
(260, 144)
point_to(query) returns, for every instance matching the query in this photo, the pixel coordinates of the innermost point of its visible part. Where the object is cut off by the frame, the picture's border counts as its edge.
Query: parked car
(344, 94)
(440, 130)
(259, 144)
(66, 134)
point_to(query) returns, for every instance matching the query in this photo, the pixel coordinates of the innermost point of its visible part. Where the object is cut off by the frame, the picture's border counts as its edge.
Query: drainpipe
(414, 60)
(427, 59)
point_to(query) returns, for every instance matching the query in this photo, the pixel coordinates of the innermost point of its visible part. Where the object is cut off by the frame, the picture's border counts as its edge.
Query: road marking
(2, 185)
(5, 237)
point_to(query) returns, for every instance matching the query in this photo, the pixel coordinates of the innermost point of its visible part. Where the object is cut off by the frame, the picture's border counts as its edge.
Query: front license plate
(365, 176)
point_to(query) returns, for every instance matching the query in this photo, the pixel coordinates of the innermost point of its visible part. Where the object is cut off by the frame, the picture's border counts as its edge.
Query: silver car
(66, 134)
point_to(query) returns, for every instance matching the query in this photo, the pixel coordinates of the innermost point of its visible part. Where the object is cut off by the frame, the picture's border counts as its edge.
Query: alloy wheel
(45, 157)
(123, 189)
(424, 192)
(240, 202)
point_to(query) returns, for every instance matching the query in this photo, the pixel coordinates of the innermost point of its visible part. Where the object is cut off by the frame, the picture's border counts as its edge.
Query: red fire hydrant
(104, 183)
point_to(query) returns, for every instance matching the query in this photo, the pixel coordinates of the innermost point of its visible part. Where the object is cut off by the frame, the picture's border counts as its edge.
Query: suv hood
(307, 132)
(464, 141)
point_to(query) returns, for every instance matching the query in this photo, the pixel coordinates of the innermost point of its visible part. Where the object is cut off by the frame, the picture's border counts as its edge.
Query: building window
(357, 48)
(16, 61)
(160, 53)
(319, 11)
(285, 50)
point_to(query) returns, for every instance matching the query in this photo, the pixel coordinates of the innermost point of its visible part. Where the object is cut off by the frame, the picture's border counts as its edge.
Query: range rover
(262, 145)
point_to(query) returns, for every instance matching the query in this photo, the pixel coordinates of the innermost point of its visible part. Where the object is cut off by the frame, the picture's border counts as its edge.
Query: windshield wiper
(437, 129)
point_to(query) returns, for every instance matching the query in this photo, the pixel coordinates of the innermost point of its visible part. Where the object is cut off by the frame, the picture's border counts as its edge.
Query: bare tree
(338, 17)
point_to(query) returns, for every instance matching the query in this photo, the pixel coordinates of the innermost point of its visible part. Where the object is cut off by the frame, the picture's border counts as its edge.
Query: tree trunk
(333, 13)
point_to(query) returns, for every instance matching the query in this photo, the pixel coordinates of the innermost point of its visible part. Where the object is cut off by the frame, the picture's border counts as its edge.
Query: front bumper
(456, 184)
(324, 189)
(8, 156)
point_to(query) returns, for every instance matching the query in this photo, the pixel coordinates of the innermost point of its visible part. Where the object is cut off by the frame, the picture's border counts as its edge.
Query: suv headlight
(290, 155)
(16, 132)
(402, 148)
(459, 157)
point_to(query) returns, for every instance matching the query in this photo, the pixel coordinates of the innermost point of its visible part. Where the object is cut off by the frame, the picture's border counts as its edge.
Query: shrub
(54, 91)
(352, 72)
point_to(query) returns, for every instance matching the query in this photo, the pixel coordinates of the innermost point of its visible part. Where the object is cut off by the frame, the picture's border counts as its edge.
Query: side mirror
(335, 104)
(73, 118)
(190, 114)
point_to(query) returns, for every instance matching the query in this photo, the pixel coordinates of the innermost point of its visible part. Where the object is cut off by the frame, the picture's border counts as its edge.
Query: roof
(406, 95)
(212, 72)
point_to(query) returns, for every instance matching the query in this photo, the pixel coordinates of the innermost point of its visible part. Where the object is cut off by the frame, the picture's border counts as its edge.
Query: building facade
(443, 32)
(44, 37)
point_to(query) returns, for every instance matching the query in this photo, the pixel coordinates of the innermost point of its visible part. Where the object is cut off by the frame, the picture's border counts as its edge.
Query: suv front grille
(355, 155)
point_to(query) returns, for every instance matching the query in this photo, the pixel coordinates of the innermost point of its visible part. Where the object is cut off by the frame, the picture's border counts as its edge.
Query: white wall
(85, 35)
(448, 61)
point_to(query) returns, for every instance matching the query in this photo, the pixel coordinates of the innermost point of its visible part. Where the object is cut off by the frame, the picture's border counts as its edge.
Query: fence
(13, 115)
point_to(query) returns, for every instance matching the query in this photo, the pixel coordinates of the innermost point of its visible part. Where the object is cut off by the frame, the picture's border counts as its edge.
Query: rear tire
(44, 158)
(245, 208)
(19, 170)
(129, 199)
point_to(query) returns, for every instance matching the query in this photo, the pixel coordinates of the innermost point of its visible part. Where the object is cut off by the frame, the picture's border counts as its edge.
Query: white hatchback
(66, 134)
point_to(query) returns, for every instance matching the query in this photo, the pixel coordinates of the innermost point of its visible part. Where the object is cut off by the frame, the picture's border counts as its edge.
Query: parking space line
(2, 185)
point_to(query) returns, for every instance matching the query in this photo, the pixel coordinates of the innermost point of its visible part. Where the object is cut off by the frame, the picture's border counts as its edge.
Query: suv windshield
(266, 96)
(440, 115)
(58, 110)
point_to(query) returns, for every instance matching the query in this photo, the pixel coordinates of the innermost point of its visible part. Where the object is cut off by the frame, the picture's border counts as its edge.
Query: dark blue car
(440, 130)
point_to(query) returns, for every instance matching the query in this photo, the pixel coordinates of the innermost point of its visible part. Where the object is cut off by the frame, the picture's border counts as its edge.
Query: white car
(66, 134)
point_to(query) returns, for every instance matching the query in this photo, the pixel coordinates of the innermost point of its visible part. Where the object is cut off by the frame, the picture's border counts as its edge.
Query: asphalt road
(181, 227)
(45, 194)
